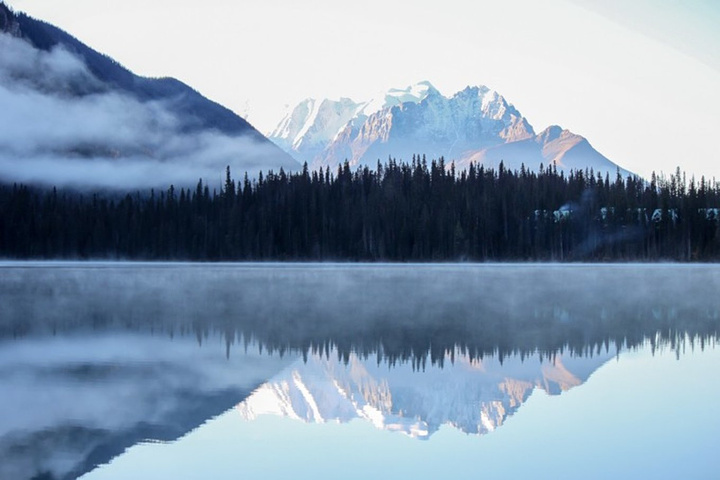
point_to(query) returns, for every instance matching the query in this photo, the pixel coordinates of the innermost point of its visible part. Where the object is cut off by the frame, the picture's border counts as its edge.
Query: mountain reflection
(474, 396)
(72, 402)
(98, 357)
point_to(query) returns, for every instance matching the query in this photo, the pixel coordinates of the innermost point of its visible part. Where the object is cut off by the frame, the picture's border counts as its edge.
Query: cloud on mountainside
(60, 125)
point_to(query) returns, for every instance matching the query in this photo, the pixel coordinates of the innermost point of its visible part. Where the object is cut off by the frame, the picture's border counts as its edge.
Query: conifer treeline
(396, 212)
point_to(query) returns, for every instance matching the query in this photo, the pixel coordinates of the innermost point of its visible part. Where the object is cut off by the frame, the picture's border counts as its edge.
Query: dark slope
(209, 114)
(189, 102)
(193, 112)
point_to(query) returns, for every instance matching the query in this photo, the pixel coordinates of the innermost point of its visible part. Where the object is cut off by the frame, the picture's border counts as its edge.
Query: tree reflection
(397, 314)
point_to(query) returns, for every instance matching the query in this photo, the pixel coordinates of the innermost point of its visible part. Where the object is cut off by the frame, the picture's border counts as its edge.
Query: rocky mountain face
(474, 396)
(313, 125)
(476, 124)
(75, 116)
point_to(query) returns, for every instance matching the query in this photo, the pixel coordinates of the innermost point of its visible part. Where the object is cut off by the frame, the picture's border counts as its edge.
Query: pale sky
(640, 79)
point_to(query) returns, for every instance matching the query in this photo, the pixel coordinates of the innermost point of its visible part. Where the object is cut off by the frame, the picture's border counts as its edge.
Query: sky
(638, 79)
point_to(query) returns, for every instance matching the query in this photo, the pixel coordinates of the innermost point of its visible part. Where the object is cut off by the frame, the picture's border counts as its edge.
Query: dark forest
(396, 212)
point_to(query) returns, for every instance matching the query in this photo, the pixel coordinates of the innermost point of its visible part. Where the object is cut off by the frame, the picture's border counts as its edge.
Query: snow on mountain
(398, 96)
(474, 396)
(436, 126)
(476, 124)
(312, 125)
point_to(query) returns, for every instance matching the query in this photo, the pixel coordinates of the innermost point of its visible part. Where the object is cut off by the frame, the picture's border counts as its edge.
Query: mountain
(474, 396)
(100, 397)
(314, 124)
(73, 115)
(476, 124)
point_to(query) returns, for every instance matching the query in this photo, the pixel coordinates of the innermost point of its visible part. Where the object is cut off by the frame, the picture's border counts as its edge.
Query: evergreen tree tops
(417, 211)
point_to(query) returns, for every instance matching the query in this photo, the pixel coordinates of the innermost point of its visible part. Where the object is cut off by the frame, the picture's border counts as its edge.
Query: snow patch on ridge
(315, 108)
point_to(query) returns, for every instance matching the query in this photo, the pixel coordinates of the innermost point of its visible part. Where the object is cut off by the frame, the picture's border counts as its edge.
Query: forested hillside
(396, 212)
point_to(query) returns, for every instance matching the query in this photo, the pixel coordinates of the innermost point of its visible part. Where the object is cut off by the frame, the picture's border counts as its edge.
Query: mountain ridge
(101, 116)
(45, 36)
(476, 124)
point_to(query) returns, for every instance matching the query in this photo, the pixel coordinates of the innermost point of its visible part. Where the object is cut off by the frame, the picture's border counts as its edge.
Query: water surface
(131, 370)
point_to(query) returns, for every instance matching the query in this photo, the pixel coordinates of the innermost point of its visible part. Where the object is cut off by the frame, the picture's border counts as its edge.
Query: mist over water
(433, 308)
(126, 352)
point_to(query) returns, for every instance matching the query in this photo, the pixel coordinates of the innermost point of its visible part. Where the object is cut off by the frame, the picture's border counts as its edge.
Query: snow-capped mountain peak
(313, 123)
(476, 124)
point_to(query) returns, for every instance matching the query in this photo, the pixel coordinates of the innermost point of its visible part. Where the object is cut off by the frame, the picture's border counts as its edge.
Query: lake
(269, 371)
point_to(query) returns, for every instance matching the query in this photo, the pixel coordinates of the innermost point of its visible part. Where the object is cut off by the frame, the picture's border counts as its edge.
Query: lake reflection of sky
(369, 371)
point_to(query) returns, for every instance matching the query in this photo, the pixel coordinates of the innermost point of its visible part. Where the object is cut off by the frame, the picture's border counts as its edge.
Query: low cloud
(61, 126)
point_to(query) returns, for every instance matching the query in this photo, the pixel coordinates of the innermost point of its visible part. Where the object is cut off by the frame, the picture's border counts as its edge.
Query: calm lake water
(183, 371)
